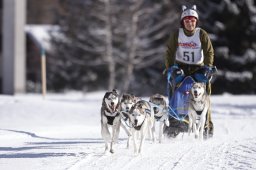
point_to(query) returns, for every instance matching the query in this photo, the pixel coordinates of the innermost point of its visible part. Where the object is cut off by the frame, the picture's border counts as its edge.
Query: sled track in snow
(65, 135)
(211, 154)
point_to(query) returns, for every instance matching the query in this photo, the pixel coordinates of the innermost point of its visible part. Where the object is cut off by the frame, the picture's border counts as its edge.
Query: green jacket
(206, 46)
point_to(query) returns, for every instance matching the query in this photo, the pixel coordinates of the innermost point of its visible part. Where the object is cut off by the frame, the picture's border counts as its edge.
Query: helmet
(189, 12)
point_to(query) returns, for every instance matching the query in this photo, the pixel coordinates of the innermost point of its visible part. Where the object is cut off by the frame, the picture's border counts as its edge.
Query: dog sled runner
(178, 90)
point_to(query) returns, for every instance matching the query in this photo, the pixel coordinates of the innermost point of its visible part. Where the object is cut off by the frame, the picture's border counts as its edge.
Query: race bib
(189, 49)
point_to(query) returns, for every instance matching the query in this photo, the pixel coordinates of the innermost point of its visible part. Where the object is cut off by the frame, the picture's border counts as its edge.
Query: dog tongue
(112, 107)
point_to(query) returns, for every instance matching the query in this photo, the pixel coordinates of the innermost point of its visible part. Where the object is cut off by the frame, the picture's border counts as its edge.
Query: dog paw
(196, 136)
(111, 151)
(167, 123)
(136, 152)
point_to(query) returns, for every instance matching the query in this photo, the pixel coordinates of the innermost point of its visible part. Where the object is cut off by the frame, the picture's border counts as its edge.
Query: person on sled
(189, 49)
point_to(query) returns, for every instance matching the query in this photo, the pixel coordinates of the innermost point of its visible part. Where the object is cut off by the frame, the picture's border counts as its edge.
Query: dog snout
(195, 91)
(135, 122)
(155, 109)
(127, 108)
(112, 103)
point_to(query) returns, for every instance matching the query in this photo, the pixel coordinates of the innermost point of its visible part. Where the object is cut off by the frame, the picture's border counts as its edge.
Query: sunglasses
(187, 20)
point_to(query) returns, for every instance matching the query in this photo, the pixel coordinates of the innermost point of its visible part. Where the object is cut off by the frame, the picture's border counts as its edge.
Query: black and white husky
(199, 104)
(141, 119)
(110, 117)
(160, 112)
(126, 103)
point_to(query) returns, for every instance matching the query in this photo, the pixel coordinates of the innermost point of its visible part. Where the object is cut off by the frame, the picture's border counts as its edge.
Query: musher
(190, 48)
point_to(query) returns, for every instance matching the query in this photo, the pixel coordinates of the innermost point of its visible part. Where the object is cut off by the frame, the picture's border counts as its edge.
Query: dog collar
(111, 114)
(139, 127)
(110, 119)
(158, 117)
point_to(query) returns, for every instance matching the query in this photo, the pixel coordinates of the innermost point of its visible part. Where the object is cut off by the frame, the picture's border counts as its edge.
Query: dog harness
(199, 112)
(139, 127)
(111, 118)
(159, 117)
(201, 106)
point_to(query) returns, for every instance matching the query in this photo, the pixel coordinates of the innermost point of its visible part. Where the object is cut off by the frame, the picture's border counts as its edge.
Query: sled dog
(141, 118)
(160, 112)
(126, 103)
(110, 117)
(199, 104)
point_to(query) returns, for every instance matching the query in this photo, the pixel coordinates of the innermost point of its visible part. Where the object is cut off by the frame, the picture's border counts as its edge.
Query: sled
(178, 100)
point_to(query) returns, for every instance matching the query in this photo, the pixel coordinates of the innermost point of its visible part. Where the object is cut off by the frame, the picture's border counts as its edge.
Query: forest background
(106, 44)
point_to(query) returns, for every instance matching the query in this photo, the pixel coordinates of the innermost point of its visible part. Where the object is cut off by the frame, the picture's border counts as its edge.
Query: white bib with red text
(189, 49)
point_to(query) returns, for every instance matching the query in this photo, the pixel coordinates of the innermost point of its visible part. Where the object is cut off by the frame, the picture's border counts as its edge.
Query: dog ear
(133, 96)
(192, 85)
(115, 91)
(150, 99)
(106, 95)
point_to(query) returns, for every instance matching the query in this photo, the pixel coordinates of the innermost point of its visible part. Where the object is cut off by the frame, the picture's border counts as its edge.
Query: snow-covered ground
(62, 132)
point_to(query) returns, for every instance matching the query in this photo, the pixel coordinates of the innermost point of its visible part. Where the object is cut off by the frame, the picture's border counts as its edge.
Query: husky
(141, 118)
(126, 103)
(199, 104)
(160, 113)
(110, 117)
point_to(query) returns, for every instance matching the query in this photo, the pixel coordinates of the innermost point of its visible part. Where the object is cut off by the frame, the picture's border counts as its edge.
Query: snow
(42, 33)
(62, 132)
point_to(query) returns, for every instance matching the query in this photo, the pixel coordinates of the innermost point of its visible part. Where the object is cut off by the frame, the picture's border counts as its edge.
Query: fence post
(43, 72)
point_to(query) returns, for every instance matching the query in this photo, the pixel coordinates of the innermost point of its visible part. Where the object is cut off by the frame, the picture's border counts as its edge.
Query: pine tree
(233, 31)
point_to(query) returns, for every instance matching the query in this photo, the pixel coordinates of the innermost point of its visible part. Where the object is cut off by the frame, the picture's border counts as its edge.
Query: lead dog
(141, 118)
(110, 117)
(160, 113)
(199, 104)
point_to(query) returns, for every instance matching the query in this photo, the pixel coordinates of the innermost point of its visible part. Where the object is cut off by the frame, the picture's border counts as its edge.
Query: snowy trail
(63, 133)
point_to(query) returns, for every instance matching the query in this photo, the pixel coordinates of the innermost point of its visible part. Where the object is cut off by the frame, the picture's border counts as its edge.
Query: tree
(121, 44)
(119, 37)
(147, 26)
(233, 30)
(83, 43)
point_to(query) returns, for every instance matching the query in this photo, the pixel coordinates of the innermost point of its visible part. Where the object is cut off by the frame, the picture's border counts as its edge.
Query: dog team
(139, 117)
